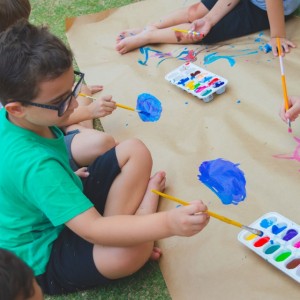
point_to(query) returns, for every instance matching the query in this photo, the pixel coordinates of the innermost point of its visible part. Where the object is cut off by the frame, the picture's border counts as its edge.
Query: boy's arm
(276, 18)
(219, 10)
(275, 12)
(130, 230)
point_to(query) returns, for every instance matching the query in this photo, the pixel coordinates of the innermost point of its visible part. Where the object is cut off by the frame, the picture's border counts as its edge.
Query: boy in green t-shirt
(74, 233)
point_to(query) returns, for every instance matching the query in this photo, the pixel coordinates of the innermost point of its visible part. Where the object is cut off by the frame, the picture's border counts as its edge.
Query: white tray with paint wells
(279, 245)
(197, 81)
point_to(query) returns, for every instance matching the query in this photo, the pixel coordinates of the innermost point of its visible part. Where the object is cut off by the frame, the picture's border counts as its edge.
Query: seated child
(17, 281)
(213, 21)
(84, 143)
(74, 234)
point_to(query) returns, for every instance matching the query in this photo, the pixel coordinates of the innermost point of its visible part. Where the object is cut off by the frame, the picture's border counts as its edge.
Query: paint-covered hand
(188, 220)
(102, 107)
(285, 44)
(293, 112)
(202, 27)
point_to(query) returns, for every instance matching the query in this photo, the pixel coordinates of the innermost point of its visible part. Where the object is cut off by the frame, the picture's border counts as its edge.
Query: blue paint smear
(265, 223)
(278, 228)
(225, 179)
(211, 58)
(149, 106)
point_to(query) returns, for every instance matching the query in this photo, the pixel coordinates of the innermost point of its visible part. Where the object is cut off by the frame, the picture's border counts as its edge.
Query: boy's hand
(188, 220)
(293, 112)
(102, 107)
(201, 26)
(82, 172)
(285, 44)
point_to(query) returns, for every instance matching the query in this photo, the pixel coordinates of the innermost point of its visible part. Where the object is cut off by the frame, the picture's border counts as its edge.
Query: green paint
(283, 256)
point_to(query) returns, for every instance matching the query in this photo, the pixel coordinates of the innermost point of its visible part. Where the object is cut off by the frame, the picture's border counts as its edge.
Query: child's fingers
(95, 88)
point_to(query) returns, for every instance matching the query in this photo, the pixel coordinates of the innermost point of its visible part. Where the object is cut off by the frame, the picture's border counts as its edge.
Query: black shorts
(244, 19)
(71, 265)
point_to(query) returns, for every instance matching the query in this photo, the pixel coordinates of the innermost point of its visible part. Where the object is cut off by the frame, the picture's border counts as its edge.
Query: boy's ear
(15, 109)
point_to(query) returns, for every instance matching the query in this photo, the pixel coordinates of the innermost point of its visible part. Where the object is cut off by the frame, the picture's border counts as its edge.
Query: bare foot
(135, 41)
(150, 201)
(156, 253)
(129, 32)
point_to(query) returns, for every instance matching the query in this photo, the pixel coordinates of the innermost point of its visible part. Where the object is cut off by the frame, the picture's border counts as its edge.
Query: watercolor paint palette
(197, 81)
(279, 245)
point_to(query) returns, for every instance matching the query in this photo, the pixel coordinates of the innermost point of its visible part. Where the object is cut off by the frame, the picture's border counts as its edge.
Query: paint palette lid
(279, 245)
(197, 81)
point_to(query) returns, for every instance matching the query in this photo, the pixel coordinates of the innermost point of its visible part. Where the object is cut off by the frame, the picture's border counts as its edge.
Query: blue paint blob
(267, 48)
(225, 179)
(149, 106)
(265, 223)
(277, 228)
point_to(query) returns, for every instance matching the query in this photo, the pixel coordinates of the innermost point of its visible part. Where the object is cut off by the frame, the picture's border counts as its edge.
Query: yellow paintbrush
(188, 31)
(283, 82)
(117, 104)
(212, 214)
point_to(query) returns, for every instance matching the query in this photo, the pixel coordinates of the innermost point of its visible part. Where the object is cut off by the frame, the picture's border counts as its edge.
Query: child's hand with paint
(293, 112)
(202, 26)
(188, 220)
(285, 44)
(101, 107)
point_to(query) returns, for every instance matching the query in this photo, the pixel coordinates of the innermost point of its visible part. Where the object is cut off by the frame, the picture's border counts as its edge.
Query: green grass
(148, 283)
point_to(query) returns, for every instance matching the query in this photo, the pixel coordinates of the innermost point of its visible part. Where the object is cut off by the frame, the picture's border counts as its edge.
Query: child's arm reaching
(275, 12)
(220, 9)
(126, 230)
(294, 110)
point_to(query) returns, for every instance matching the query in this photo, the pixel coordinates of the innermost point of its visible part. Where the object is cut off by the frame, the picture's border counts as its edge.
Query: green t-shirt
(39, 192)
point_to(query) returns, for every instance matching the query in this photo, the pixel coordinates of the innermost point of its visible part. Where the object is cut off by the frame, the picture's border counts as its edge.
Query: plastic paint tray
(280, 244)
(197, 81)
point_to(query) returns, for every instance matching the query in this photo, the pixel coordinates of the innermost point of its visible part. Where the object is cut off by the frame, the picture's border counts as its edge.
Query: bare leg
(162, 32)
(87, 145)
(115, 262)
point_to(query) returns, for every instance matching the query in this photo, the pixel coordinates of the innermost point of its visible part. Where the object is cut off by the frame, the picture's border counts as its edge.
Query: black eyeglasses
(64, 105)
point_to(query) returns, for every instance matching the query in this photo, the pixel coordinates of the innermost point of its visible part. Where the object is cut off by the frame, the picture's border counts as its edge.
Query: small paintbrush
(117, 104)
(283, 82)
(212, 214)
(188, 31)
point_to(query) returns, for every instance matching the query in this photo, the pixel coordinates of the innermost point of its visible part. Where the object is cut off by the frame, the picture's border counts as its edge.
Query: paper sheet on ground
(242, 126)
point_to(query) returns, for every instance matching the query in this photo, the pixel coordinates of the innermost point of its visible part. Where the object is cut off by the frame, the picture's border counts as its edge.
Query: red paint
(261, 241)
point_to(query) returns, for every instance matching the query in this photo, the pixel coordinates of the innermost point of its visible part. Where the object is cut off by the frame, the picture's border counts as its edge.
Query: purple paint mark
(225, 179)
(149, 106)
(290, 234)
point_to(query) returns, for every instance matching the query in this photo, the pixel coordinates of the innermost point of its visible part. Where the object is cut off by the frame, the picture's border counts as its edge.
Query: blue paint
(149, 106)
(265, 223)
(267, 48)
(238, 101)
(225, 179)
(277, 228)
(211, 58)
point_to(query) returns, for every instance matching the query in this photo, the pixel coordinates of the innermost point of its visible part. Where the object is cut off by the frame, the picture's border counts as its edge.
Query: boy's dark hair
(16, 278)
(13, 10)
(29, 55)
